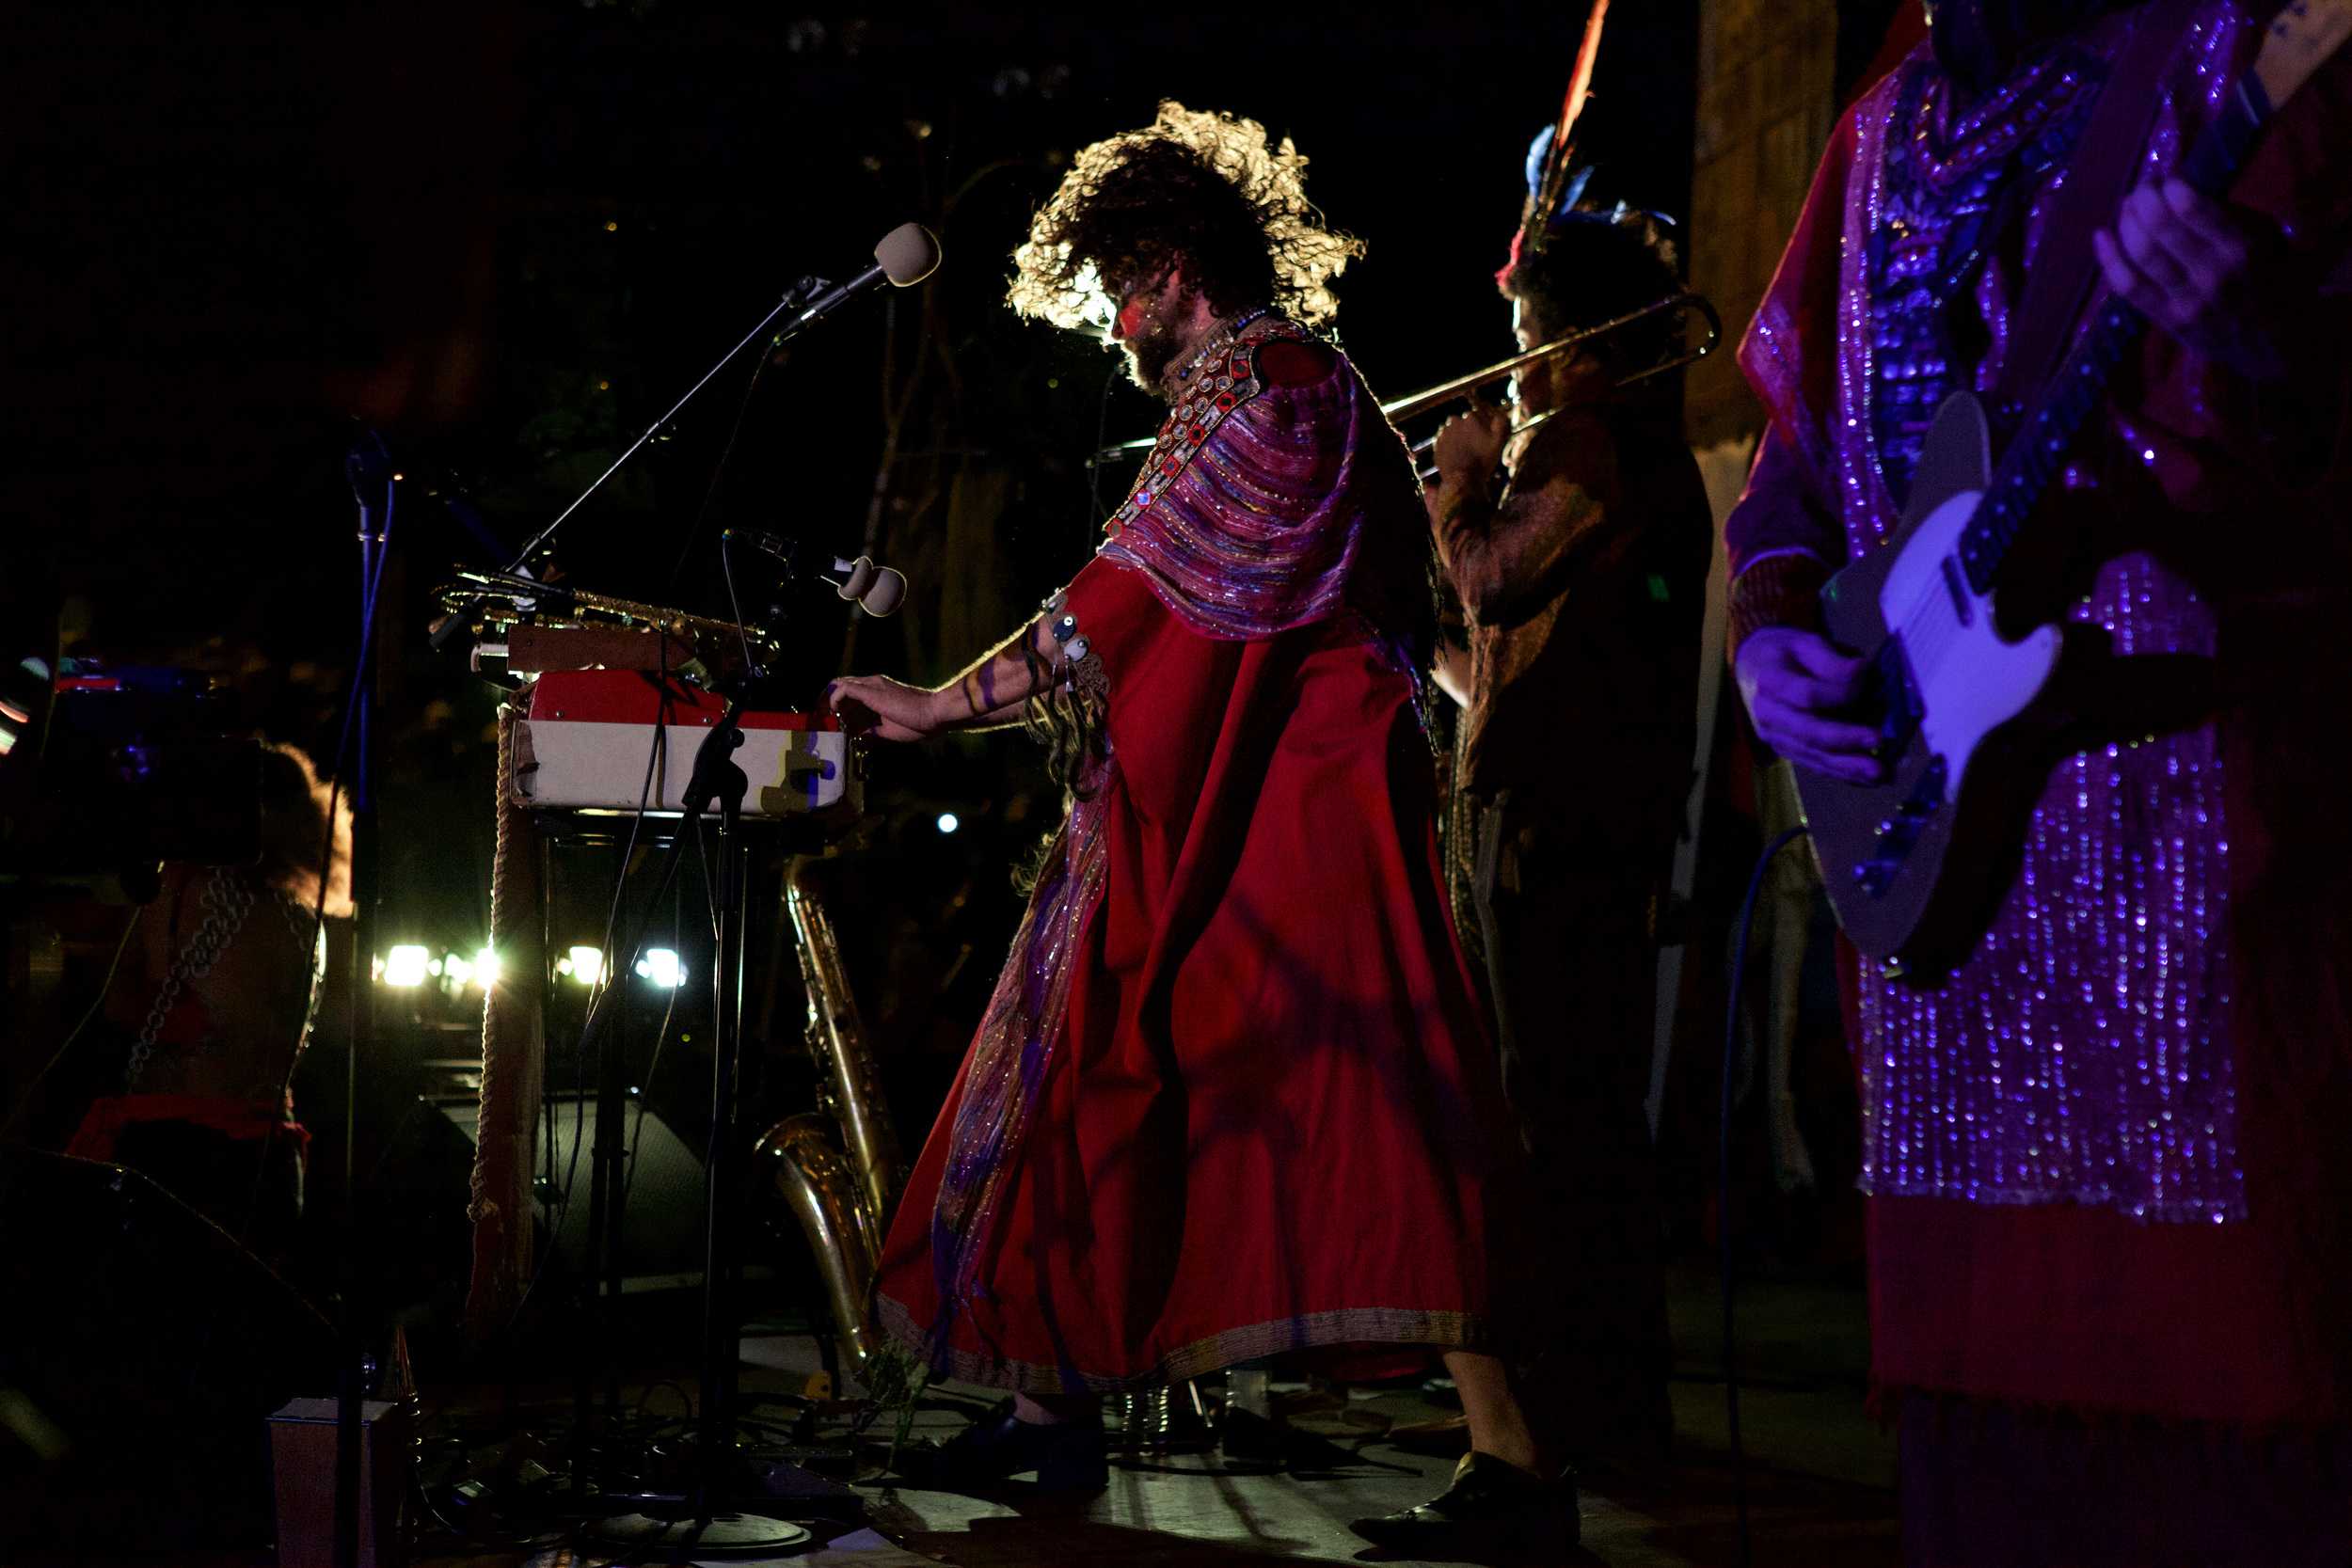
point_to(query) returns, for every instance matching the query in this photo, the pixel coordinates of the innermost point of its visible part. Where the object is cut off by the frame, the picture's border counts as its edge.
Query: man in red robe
(1231, 1097)
(2110, 1292)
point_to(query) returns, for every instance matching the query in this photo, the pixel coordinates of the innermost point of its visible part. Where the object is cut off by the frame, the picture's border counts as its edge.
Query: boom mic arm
(876, 590)
(905, 256)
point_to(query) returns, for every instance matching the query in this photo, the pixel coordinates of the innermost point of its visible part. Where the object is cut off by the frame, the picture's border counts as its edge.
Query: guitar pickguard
(1945, 682)
(1969, 680)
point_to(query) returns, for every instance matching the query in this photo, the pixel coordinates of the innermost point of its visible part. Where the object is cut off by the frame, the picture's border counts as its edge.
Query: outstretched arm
(989, 692)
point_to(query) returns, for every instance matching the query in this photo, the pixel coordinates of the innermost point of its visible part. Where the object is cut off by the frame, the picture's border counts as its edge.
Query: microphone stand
(718, 784)
(715, 778)
(350, 1391)
(813, 296)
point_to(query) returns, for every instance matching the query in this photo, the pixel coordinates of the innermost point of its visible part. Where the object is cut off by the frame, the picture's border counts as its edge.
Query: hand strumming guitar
(1796, 685)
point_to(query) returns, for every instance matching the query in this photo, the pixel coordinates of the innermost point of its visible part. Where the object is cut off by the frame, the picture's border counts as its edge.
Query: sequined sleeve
(1781, 543)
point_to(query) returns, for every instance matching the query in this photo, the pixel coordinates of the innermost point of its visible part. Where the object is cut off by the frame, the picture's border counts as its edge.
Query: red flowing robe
(1267, 1110)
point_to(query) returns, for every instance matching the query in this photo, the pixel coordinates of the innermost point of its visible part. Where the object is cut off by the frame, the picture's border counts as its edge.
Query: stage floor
(1820, 1476)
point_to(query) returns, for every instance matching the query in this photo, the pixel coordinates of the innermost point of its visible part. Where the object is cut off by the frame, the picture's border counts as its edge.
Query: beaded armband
(1078, 667)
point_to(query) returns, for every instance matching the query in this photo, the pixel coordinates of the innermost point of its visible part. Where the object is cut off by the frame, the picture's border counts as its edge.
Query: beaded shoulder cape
(1251, 513)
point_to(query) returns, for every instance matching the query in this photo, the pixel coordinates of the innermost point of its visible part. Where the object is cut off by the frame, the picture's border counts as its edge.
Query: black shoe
(1491, 1506)
(1067, 1456)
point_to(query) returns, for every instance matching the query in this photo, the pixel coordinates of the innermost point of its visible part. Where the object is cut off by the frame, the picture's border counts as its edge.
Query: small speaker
(662, 1221)
(303, 1441)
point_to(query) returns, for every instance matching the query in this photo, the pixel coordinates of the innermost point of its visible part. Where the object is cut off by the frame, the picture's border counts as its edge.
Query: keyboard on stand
(614, 740)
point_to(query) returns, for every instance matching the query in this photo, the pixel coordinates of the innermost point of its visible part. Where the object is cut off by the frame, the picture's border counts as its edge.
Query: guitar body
(1913, 864)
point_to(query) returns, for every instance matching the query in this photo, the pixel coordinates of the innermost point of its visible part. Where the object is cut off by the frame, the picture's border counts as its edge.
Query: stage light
(456, 969)
(949, 822)
(662, 966)
(587, 965)
(485, 968)
(406, 966)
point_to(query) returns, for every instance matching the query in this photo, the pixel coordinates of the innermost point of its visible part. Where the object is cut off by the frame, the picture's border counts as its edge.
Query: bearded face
(1146, 328)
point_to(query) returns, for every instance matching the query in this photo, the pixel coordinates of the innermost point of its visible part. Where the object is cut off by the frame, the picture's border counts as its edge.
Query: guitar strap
(2098, 178)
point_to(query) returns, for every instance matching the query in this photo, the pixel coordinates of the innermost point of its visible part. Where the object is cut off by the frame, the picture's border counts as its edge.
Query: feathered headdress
(1554, 183)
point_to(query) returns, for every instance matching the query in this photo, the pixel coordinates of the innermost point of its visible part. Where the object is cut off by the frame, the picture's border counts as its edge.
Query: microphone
(906, 256)
(876, 590)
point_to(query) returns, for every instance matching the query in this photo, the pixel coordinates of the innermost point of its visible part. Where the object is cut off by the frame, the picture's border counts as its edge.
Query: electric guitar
(1915, 866)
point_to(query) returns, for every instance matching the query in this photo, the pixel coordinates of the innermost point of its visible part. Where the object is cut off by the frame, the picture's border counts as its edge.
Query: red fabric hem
(2085, 1308)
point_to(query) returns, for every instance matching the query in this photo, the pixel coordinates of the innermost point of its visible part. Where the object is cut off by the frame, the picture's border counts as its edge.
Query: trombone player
(1578, 550)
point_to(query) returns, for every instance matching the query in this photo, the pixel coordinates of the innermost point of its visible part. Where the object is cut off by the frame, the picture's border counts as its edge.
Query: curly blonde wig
(1204, 188)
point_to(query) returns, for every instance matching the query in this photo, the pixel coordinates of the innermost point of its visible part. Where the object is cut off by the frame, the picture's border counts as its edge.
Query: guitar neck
(2037, 454)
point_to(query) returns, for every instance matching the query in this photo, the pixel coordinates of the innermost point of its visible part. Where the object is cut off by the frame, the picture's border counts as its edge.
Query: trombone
(1464, 386)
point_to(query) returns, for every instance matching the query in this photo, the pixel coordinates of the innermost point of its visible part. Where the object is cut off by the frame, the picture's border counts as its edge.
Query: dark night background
(507, 235)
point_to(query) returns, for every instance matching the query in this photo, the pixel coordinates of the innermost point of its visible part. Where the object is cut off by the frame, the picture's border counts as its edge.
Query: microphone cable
(1094, 464)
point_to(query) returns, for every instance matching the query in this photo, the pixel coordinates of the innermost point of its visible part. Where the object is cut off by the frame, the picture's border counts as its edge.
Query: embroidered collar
(1227, 381)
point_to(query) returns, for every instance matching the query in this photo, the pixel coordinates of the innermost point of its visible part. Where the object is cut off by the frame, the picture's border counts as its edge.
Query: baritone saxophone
(839, 1168)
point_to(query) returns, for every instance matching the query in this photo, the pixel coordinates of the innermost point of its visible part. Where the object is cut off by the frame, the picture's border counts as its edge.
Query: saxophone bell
(840, 1171)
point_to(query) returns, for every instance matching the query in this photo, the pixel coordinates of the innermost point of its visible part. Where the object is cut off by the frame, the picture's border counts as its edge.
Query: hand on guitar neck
(2192, 266)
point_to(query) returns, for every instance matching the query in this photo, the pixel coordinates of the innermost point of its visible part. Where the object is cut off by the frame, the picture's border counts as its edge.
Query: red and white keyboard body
(591, 736)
